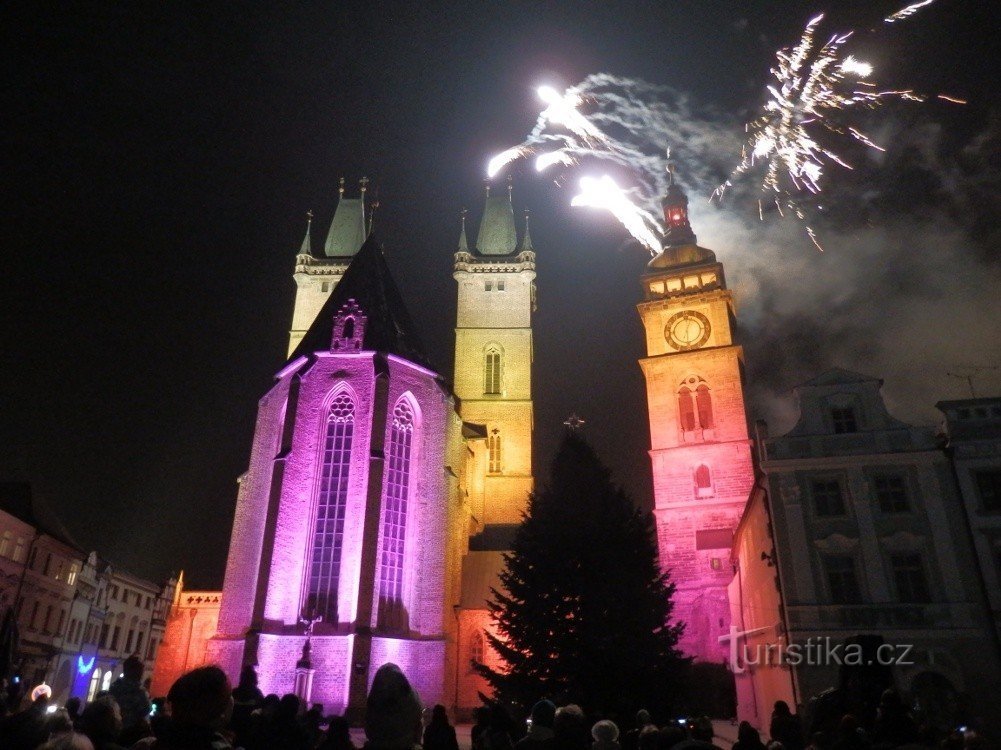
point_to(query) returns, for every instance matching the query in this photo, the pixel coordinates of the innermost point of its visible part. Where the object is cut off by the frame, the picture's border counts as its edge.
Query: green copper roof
(347, 230)
(497, 233)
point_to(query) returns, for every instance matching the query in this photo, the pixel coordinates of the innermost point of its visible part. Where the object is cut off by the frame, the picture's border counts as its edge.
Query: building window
(492, 370)
(139, 643)
(843, 418)
(128, 641)
(488, 286)
(392, 615)
(105, 628)
(827, 498)
(62, 619)
(703, 482)
(500, 285)
(19, 550)
(114, 637)
(686, 409)
(475, 651)
(909, 577)
(704, 404)
(331, 504)
(989, 489)
(494, 452)
(95, 684)
(74, 571)
(34, 615)
(6, 544)
(841, 579)
(48, 619)
(325, 287)
(716, 563)
(891, 491)
(106, 682)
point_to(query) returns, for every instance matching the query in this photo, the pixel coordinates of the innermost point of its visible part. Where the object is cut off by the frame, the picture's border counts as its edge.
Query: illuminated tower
(493, 380)
(699, 443)
(316, 276)
(493, 355)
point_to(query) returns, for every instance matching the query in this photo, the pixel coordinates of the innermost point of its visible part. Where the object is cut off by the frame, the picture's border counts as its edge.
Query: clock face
(687, 330)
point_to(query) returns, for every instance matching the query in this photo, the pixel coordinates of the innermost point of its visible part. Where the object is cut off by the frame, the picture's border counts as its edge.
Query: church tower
(493, 355)
(699, 443)
(316, 276)
(493, 382)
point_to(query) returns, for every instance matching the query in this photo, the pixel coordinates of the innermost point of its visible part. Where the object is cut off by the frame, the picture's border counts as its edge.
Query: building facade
(973, 432)
(871, 543)
(190, 619)
(700, 449)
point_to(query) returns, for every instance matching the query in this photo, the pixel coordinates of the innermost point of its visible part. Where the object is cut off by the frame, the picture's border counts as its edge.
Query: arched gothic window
(95, 684)
(320, 598)
(686, 409)
(492, 370)
(704, 404)
(494, 452)
(349, 328)
(703, 481)
(392, 614)
(475, 651)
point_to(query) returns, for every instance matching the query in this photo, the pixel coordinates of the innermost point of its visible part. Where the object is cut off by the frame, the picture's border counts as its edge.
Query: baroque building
(370, 522)
(700, 449)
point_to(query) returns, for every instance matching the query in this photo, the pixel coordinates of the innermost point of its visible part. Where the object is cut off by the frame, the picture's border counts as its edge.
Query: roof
(17, 499)
(839, 376)
(497, 233)
(388, 327)
(347, 230)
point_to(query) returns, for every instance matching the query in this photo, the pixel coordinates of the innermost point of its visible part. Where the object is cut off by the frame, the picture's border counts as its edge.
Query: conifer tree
(584, 614)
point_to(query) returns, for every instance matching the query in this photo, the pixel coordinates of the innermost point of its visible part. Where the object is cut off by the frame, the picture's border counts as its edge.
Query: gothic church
(371, 522)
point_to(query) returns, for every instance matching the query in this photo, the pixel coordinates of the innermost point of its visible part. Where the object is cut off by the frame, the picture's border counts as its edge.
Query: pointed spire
(463, 244)
(675, 205)
(307, 248)
(526, 239)
(348, 228)
(498, 235)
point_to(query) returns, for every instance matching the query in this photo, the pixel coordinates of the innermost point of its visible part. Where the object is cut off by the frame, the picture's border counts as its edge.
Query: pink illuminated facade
(700, 446)
(342, 517)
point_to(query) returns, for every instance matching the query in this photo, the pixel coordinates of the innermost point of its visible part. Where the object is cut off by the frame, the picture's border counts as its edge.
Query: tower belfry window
(703, 481)
(686, 409)
(704, 403)
(492, 370)
(392, 614)
(320, 598)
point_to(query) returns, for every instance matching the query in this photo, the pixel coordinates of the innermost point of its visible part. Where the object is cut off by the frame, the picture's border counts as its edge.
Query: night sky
(160, 159)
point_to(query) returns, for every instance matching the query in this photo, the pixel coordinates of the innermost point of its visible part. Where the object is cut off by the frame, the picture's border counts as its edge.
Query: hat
(392, 711)
(543, 713)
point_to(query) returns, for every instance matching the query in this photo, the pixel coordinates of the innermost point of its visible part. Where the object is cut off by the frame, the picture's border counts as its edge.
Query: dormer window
(349, 328)
(843, 418)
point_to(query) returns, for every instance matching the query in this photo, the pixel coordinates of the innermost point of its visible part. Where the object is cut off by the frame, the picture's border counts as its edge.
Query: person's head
(848, 725)
(73, 707)
(670, 736)
(702, 729)
(648, 738)
(776, 745)
(605, 732)
(339, 729)
(248, 676)
(643, 718)
(288, 708)
(58, 722)
(101, 720)
(781, 709)
(569, 719)
(132, 668)
(439, 717)
(747, 733)
(270, 704)
(392, 711)
(889, 701)
(202, 698)
(543, 714)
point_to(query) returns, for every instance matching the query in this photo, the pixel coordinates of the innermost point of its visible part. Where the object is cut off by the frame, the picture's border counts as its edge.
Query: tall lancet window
(392, 614)
(320, 598)
(686, 409)
(494, 452)
(492, 370)
(704, 402)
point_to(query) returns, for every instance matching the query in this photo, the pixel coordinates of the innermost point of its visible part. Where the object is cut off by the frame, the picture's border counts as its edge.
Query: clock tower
(699, 443)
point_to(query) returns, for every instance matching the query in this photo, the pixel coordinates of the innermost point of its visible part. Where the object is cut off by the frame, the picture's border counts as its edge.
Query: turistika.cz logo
(821, 651)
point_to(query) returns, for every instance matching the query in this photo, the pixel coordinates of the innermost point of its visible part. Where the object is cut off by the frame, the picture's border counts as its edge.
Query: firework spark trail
(605, 194)
(910, 10)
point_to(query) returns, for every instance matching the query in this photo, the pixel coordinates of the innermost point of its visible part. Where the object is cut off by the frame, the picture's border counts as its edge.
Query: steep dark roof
(388, 327)
(17, 499)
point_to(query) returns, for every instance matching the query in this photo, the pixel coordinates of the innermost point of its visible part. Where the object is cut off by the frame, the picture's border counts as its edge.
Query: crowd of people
(202, 711)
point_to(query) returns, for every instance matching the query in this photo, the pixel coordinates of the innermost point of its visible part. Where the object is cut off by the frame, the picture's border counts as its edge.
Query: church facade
(371, 521)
